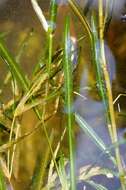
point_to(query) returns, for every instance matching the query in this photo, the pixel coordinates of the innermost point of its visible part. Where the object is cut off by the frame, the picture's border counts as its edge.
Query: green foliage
(2, 181)
(68, 83)
(13, 66)
(51, 85)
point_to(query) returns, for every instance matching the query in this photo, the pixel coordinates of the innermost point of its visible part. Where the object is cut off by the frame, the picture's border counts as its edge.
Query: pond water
(17, 19)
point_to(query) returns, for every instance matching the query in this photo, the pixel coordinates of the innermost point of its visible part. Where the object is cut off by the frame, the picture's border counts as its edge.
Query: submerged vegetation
(52, 89)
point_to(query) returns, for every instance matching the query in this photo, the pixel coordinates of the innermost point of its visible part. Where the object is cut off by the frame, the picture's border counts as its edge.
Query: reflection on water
(92, 110)
(119, 6)
(87, 152)
(17, 17)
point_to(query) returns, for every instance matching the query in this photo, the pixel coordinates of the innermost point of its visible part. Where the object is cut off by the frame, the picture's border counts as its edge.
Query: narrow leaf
(52, 26)
(67, 66)
(2, 181)
(93, 135)
(13, 66)
(97, 186)
(10, 144)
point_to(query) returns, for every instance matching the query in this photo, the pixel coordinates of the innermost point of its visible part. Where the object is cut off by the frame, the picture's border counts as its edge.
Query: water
(92, 110)
(87, 152)
(18, 17)
(119, 6)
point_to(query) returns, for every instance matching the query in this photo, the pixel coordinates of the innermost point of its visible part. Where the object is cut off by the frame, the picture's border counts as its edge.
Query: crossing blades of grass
(79, 13)
(98, 67)
(49, 27)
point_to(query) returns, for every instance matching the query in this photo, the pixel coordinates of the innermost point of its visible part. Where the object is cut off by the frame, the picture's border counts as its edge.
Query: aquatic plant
(50, 89)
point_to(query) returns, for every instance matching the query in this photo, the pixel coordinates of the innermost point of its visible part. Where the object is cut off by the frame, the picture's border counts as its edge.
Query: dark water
(18, 18)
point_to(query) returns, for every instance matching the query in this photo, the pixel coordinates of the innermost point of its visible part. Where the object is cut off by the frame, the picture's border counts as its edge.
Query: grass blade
(96, 186)
(93, 136)
(41, 167)
(9, 145)
(88, 171)
(63, 175)
(51, 28)
(114, 136)
(53, 15)
(98, 67)
(79, 13)
(13, 66)
(67, 66)
(2, 181)
(90, 132)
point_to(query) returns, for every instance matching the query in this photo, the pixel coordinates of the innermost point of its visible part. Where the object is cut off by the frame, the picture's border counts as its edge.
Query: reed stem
(109, 92)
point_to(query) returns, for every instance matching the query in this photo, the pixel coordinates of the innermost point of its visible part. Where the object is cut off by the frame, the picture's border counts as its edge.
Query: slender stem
(108, 14)
(81, 17)
(8, 153)
(99, 70)
(39, 181)
(53, 15)
(109, 91)
(13, 66)
(68, 99)
(14, 151)
(50, 43)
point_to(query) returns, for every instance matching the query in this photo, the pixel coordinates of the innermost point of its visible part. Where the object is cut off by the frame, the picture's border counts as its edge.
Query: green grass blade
(53, 15)
(90, 132)
(93, 136)
(96, 186)
(51, 28)
(98, 67)
(63, 175)
(41, 167)
(2, 181)
(15, 69)
(79, 13)
(13, 66)
(67, 66)
(23, 107)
